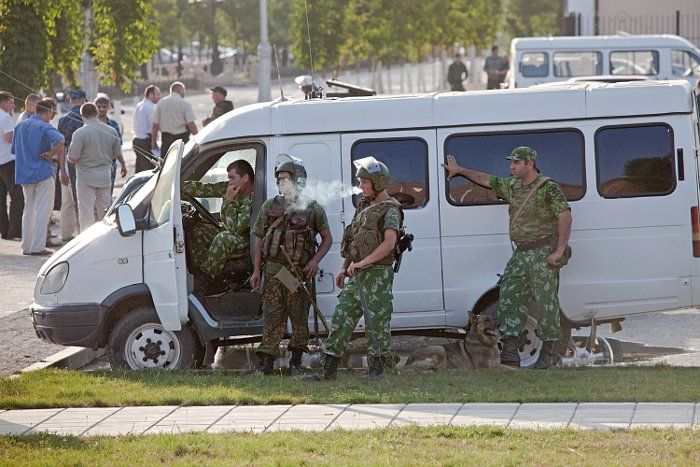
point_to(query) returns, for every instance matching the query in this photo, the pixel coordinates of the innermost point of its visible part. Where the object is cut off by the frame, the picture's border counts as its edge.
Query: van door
(320, 154)
(410, 157)
(164, 268)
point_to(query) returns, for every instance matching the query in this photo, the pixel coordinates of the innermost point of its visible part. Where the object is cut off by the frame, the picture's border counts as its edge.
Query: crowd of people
(73, 167)
(495, 67)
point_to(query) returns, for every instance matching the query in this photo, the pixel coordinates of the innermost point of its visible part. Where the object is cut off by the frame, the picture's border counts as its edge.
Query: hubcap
(150, 346)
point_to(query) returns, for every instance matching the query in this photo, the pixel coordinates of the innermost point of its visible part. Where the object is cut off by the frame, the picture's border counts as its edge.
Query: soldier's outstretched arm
(384, 248)
(454, 169)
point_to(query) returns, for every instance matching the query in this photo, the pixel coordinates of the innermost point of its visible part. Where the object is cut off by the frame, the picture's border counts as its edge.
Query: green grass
(61, 388)
(404, 446)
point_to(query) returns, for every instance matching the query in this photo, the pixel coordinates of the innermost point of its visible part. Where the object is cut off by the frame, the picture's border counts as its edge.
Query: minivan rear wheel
(139, 342)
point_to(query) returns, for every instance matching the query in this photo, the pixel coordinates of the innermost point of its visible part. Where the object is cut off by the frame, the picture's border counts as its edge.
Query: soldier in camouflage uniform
(212, 247)
(540, 231)
(369, 247)
(289, 221)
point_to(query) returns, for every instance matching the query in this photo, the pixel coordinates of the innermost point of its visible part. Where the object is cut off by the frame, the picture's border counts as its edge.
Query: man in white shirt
(174, 118)
(10, 227)
(29, 107)
(93, 148)
(143, 124)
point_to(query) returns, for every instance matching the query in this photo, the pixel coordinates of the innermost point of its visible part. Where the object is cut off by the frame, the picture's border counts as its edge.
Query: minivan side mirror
(126, 222)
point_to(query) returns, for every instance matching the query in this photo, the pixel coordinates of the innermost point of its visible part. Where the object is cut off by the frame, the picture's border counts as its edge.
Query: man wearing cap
(174, 118)
(221, 105)
(67, 125)
(287, 223)
(540, 225)
(369, 251)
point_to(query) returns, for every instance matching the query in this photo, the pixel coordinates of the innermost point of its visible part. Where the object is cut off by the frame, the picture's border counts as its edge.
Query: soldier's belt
(526, 246)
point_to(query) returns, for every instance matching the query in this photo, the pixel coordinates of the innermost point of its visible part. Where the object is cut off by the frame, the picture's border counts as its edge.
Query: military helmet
(376, 171)
(292, 165)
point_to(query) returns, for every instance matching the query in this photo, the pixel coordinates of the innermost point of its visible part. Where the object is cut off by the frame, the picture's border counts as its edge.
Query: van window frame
(598, 53)
(397, 138)
(548, 63)
(635, 125)
(654, 52)
(517, 132)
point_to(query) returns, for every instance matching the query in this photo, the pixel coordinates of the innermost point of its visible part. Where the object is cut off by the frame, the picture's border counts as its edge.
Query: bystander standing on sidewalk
(143, 124)
(221, 104)
(457, 73)
(95, 145)
(10, 226)
(35, 144)
(495, 68)
(174, 118)
(29, 107)
(102, 103)
(67, 125)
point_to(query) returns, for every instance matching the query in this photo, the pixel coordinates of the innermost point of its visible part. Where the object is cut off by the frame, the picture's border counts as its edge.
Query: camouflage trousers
(278, 304)
(212, 248)
(377, 283)
(527, 279)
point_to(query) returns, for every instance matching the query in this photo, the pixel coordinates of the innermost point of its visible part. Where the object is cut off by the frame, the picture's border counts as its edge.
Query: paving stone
(485, 414)
(426, 414)
(539, 415)
(663, 414)
(20, 421)
(603, 415)
(131, 420)
(249, 418)
(306, 415)
(367, 416)
(188, 419)
(74, 421)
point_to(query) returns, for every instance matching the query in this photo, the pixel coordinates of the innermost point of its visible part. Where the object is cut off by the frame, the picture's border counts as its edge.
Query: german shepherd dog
(478, 350)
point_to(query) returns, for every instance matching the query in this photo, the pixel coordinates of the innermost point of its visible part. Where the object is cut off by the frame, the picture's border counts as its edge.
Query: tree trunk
(388, 79)
(403, 76)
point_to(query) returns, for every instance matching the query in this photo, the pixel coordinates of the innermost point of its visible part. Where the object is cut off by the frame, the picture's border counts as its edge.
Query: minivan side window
(570, 64)
(161, 201)
(560, 155)
(634, 62)
(534, 64)
(685, 64)
(407, 161)
(635, 161)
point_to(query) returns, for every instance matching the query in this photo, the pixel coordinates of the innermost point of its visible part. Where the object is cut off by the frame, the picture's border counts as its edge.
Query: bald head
(177, 87)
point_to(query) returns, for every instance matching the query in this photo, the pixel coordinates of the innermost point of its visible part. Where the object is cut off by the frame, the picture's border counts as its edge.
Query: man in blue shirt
(69, 198)
(102, 102)
(34, 145)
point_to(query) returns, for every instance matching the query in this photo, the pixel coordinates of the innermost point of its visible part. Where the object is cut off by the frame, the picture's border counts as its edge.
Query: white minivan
(625, 155)
(537, 60)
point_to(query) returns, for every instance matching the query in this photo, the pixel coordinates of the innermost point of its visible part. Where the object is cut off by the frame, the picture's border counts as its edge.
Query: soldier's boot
(509, 354)
(295, 368)
(266, 364)
(544, 361)
(329, 369)
(376, 370)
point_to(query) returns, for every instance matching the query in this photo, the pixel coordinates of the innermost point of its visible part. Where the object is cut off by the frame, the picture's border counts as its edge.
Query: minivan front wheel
(139, 342)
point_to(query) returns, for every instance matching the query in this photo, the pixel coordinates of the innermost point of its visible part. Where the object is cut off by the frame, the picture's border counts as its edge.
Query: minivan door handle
(681, 167)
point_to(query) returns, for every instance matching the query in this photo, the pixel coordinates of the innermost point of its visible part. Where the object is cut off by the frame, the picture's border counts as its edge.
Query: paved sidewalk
(258, 419)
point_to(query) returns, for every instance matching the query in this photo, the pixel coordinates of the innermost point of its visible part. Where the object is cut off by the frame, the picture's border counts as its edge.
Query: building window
(534, 64)
(634, 62)
(569, 64)
(560, 155)
(407, 161)
(635, 161)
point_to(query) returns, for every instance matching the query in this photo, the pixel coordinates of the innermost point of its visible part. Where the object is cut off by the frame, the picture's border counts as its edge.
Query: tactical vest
(364, 234)
(291, 230)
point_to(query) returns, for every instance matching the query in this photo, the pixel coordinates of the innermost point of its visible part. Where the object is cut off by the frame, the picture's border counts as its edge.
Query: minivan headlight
(55, 279)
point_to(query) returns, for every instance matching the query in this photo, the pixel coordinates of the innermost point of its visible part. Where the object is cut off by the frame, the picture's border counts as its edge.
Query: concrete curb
(70, 358)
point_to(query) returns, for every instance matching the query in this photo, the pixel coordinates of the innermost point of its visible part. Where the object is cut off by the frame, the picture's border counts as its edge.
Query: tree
(526, 18)
(124, 37)
(66, 41)
(326, 29)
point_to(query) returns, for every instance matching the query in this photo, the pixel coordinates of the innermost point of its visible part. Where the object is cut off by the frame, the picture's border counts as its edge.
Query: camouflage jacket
(538, 219)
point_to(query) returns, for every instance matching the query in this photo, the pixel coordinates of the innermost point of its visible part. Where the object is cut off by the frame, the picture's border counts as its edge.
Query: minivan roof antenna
(279, 78)
(308, 35)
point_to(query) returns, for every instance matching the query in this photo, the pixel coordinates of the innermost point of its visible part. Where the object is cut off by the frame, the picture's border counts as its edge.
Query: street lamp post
(264, 53)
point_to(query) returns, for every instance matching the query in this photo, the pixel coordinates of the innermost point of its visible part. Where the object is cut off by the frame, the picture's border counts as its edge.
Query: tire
(138, 335)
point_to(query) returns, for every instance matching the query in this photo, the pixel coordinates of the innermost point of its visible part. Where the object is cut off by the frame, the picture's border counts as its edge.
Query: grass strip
(442, 445)
(62, 388)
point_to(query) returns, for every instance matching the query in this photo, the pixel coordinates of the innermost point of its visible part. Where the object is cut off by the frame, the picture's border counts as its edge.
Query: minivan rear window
(635, 161)
(534, 64)
(634, 62)
(570, 64)
(560, 155)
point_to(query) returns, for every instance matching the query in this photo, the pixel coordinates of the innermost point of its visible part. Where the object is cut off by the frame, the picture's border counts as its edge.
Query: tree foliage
(123, 38)
(526, 18)
(66, 40)
(326, 29)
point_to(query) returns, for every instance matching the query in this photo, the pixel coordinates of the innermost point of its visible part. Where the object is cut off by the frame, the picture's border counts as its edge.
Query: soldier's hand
(554, 258)
(255, 281)
(352, 269)
(340, 279)
(123, 172)
(451, 166)
(232, 192)
(311, 268)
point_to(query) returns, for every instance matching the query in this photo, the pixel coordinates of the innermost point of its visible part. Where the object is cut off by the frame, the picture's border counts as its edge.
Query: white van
(536, 60)
(625, 155)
